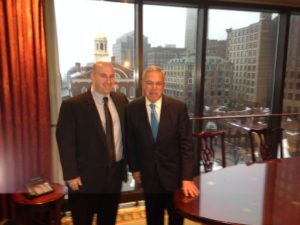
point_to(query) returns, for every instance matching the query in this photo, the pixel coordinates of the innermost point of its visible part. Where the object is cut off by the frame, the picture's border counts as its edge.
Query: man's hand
(189, 188)
(137, 177)
(74, 183)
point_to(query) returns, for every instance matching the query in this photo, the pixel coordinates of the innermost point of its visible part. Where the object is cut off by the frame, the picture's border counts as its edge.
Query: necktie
(154, 122)
(109, 131)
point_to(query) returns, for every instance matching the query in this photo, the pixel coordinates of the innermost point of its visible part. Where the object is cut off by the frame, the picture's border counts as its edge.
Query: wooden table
(260, 193)
(40, 210)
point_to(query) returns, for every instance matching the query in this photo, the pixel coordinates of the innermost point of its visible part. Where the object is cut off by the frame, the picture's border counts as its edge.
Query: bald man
(90, 137)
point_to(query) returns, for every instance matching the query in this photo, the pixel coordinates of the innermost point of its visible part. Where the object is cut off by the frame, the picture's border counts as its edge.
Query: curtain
(25, 150)
(54, 84)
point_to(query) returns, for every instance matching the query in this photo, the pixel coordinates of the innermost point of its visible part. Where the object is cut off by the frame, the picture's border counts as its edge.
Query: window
(240, 50)
(123, 90)
(84, 89)
(170, 43)
(240, 94)
(132, 92)
(94, 35)
(291, 100)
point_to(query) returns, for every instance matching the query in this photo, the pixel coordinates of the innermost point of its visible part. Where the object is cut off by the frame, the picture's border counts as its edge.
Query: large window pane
(291, 99)
(170, 42)
(90, 31)
(239, 73)
(239, 62)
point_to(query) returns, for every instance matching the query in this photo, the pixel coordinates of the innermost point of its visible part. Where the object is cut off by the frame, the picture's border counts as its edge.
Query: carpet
(134, 215)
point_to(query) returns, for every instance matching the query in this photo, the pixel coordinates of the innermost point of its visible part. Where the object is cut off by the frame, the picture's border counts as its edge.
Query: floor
(127, 216)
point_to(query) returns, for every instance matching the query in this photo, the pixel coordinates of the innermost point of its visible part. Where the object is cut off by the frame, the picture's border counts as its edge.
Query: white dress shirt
(157, 108)
(98, 98)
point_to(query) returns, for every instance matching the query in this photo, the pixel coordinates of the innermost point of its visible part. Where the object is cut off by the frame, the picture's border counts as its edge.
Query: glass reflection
(261, 193)
(229, 203)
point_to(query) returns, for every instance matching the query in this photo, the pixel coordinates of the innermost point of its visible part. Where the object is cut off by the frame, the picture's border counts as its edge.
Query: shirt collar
(99, 97)
(157, 103)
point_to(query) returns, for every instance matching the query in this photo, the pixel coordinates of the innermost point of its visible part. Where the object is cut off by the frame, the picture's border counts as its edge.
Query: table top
(59, 191)
(260, 193)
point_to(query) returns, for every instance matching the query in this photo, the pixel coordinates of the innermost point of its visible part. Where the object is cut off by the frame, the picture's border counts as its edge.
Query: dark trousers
(83, 206)
(105, 203)
(156, 203)
(158, 200)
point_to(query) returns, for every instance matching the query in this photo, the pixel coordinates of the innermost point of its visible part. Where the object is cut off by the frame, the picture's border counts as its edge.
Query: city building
(190, 30)
(291, 98)
(101, 53)
(180, 83)
(216, 48)
(292, 80)
(179, 73)
(251, 49)
(218, 81)
(80, 82)
(124, 49)
(78, 77)
(160, 56)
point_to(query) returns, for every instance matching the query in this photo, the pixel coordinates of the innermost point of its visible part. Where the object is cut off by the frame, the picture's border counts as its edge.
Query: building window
(132, 92)
(84, 89)
(123, 90)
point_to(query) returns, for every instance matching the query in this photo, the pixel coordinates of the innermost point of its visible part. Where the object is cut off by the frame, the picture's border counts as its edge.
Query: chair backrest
(269, 140)
(206, 148)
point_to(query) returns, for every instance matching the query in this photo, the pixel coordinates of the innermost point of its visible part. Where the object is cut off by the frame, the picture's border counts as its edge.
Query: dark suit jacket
(172, 153)
(81, 140)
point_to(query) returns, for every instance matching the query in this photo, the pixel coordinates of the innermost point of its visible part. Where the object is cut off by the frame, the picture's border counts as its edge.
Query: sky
(79, 21)
(220, 20)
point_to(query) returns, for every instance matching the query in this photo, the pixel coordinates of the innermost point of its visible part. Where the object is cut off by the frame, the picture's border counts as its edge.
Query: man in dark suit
(160, 153)
(90, 137)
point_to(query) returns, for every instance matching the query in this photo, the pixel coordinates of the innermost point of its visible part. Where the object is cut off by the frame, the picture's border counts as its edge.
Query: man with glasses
(160, 153)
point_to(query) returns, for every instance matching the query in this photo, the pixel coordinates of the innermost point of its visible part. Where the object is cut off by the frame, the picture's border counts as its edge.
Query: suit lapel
(94, 115)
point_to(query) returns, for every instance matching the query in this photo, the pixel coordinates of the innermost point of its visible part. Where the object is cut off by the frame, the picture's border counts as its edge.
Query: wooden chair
(206, 148)
(269, 141)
